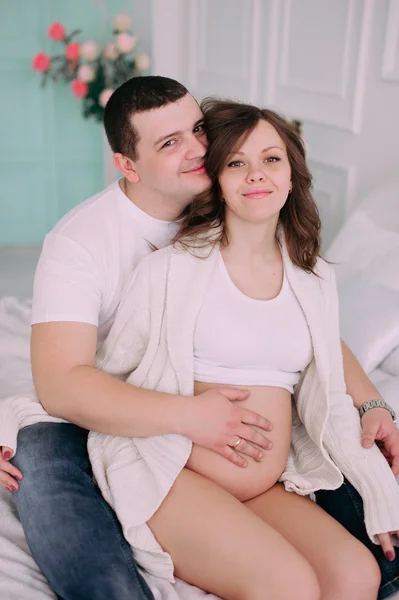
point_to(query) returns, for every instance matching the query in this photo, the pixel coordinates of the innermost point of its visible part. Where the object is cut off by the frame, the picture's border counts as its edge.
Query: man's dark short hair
(136, 95)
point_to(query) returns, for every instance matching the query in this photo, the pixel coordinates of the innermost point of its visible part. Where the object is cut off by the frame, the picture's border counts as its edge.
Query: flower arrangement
(93, 72)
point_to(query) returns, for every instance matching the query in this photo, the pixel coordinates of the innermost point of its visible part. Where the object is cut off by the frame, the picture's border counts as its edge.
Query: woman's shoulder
(161, 259)
(324, 269)
(156, 259)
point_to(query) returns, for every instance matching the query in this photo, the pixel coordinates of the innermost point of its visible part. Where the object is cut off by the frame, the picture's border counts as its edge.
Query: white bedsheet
(20, 577)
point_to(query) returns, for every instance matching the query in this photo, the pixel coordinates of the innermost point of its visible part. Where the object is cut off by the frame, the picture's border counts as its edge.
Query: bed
(366, 257)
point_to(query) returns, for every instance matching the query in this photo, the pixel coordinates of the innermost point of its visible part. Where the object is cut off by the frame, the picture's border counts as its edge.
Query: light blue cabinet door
(50, 157)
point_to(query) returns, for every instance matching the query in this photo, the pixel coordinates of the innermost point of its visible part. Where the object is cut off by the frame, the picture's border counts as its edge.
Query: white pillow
(369, 320)
(391, 363)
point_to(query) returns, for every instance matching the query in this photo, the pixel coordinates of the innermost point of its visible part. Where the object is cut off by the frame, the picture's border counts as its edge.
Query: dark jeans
(76, 539)
(73, 534)
(346, 506)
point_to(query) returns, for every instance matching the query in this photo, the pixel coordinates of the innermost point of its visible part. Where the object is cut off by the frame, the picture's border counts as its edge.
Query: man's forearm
(358, 385)
(97, 401)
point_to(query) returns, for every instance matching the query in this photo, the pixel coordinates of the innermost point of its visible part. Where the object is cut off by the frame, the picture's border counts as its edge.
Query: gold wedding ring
(237, 442)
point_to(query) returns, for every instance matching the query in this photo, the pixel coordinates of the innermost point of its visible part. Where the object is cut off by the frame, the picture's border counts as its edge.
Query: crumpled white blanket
(20, 577)
(15, 371)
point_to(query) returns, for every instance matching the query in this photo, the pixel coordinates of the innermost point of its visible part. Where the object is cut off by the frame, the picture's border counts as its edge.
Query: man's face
(171, 150)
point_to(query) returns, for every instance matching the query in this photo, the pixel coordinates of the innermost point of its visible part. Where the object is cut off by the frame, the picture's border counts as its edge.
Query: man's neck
(155, 205)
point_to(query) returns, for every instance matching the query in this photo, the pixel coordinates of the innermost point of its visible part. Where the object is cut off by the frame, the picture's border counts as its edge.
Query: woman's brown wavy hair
(228, 124)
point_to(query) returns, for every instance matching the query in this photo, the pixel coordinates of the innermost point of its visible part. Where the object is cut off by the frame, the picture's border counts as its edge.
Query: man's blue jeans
(77, 541)
(73, 534)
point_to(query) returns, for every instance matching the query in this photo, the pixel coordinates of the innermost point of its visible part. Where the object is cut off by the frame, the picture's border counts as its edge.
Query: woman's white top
(239, 340)
(150, 345)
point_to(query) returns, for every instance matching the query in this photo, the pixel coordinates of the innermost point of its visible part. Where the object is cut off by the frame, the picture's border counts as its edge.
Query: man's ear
(127, 167)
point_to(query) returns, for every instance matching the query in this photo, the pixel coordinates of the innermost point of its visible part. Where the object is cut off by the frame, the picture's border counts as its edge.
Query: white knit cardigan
(150, 345)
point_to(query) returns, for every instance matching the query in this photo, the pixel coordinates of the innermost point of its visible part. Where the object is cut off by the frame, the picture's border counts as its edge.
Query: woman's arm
(358, 385)
(377, 423)
(366, 469)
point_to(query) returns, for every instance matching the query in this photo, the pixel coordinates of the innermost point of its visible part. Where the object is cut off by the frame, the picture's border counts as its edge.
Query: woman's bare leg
(221, 546)
(344, 567)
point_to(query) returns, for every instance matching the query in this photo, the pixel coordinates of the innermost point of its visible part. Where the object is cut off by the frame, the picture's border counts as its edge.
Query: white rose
(86, 73)
(105, 96)
(143, 62)
(110, 52)
(126, 42)
(122, 22)
(89, 50)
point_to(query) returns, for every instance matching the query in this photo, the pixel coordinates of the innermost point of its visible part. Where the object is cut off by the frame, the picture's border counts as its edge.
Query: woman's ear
(127, 167)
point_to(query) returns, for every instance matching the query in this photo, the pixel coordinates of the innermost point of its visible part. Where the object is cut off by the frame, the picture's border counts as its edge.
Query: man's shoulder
(95, 209)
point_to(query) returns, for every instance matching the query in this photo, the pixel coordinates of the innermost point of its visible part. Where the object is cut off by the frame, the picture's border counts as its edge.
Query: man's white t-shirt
(88, 256)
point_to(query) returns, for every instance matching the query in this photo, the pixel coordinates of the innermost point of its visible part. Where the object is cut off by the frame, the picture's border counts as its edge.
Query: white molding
(364, 46)
(204, 77)
(192, 45)
(199, 16)
(254, 53)
(340, 107)
(341, 92)
(335, 184)
(271, 54)
(390, 66)
(168, 39)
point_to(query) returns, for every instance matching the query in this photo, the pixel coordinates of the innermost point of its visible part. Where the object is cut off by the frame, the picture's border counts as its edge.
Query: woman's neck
(249, 242)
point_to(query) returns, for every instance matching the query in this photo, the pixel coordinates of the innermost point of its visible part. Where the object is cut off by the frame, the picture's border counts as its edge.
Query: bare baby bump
(257, 477)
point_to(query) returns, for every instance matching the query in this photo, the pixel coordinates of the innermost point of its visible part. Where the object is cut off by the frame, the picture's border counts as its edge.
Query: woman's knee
(295, 581)
(365, 578)
(356, 576)
(302, 582)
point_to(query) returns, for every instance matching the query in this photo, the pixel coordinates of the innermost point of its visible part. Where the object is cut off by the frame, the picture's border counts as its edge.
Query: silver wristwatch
(377, 404)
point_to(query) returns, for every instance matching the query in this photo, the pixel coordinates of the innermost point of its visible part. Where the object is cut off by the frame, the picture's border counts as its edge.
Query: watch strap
(376, 404)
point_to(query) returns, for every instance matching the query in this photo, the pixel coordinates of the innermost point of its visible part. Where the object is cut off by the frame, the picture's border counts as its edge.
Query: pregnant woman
(243, 298)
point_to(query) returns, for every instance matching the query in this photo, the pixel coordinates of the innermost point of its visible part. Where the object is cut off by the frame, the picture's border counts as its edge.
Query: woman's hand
(8, 473)
(386, 544)
(378, 426)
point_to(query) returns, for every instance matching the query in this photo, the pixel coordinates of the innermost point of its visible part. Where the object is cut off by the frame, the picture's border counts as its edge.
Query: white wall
(332, 64)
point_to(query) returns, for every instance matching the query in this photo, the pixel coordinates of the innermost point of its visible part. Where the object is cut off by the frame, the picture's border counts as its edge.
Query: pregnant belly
(257, 477)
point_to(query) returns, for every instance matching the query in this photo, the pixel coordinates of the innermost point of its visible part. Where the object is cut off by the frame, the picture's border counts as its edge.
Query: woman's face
(256, 180)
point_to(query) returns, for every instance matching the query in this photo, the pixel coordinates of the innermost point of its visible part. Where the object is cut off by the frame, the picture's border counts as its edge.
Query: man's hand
(214, 422)
(378, 426)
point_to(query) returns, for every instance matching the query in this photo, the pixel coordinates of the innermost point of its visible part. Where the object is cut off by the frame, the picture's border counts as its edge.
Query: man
(154, 127)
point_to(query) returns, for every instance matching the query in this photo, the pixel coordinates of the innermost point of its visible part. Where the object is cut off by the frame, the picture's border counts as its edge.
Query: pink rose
(142, 62)
(125, 42)
(72, 51)
(79, 88)
(105, 96)
(56, 32)
(41, 62)
(86, 73)
(89, 50)
(122, 22)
